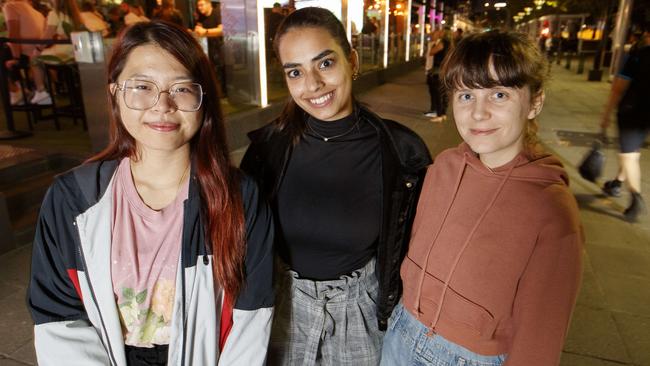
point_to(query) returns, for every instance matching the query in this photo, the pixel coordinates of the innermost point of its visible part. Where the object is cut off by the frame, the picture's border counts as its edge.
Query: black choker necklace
(326, 138)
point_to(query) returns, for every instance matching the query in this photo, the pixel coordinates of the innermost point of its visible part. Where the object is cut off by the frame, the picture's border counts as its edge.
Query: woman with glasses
(156, 251)
(343, 184)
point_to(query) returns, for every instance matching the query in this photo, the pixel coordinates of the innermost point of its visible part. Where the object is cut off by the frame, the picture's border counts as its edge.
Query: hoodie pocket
(458, 312)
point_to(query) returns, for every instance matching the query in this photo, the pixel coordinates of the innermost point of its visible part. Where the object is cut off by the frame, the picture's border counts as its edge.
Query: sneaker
(612, 187)
(430, 114)
(439, 119)
(636, 208)
(41, 97)
(16, 98)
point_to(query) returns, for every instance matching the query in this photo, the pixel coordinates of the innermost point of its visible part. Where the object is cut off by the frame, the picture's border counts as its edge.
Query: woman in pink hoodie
(494, 262)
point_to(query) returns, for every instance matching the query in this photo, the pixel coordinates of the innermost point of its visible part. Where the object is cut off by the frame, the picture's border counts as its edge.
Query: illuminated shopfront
(384, 33)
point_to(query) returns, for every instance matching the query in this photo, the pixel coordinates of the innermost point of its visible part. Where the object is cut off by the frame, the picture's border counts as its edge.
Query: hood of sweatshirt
(540, 168)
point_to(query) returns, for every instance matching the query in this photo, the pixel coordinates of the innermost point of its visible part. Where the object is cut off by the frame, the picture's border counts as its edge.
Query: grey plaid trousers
(326, 322)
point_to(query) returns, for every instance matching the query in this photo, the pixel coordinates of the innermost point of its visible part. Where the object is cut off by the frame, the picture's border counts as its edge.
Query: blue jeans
(406, 344)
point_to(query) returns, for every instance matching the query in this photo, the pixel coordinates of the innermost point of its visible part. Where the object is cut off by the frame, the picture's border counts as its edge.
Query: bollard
(581, 63)
(6, 230)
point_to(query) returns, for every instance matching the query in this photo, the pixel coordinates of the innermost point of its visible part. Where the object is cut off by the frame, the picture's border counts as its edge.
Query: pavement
(611, 322)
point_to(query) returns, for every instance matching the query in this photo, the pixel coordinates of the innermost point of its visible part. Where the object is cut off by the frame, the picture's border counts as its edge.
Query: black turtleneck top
(329, 202)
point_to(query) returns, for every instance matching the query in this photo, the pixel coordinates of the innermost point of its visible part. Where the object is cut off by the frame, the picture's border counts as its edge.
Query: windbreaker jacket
(494, 263)
(404, 158)
(71, 296)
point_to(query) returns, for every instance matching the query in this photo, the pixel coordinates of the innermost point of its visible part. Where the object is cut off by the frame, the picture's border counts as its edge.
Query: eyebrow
(290, 65)
(148, 77)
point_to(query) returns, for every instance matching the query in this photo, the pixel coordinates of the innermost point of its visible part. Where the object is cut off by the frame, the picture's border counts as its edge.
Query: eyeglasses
(142, 95)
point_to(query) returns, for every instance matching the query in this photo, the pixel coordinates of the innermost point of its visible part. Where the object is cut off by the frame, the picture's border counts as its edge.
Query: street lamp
(539, 3)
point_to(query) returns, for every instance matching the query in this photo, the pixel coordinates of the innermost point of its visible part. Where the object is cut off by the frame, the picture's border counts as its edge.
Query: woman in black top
(343, 184)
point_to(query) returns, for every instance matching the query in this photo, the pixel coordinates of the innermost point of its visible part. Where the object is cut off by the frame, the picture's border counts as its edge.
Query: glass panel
(276, 86)
(367, 42)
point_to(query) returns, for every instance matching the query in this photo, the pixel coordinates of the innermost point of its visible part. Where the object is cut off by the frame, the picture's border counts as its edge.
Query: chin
(480, 148)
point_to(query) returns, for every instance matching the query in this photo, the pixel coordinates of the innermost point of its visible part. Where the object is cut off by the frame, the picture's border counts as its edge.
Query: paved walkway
(611, 324)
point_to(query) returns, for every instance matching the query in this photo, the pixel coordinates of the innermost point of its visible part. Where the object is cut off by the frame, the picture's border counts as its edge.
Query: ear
(537, 102)
(354, 61)
(112, 87)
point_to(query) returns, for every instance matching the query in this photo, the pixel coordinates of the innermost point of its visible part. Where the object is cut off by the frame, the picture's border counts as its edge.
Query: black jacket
(403, 164)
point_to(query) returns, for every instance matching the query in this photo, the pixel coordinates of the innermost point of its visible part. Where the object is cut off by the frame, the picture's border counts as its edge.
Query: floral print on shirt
(147, 322)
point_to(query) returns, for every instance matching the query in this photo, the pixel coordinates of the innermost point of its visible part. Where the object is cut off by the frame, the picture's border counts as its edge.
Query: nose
(165, 103)
(314, 81)
(481, 110)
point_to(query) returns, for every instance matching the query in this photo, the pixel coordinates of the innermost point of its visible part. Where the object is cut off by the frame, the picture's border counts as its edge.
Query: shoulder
(557, 203)
(87, 182)
(411, 149)
(264, 133)
(11, 9)
(447, 159)
(403, 135)
(249, 189)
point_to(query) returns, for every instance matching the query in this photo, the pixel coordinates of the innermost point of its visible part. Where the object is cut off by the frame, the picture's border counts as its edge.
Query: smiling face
(318, 74)
(162, 127)
(493, 121)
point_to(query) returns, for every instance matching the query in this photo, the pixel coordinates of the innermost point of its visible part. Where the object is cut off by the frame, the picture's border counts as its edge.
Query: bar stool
(68, 75)
(34, 111)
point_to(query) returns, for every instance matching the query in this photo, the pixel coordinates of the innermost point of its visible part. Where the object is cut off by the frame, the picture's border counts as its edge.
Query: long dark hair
(497, 58)
(292, 118)
(218, 181)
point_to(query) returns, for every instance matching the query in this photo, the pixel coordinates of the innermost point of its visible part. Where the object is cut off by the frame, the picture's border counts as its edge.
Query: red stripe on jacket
(74, 277)
(226, 321)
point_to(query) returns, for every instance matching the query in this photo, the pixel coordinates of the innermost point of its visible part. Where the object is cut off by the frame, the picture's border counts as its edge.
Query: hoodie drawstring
(418, 294)
(434, 322)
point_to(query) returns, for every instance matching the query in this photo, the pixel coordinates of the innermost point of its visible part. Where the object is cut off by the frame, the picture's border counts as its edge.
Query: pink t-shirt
(145, 248)
(31, 22)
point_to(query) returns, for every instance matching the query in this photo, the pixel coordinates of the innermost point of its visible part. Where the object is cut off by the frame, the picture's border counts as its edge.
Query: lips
(321, 101)
(482, 131)
(163, 126)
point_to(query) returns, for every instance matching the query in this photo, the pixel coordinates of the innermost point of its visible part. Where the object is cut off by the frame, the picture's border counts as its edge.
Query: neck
(160, 169)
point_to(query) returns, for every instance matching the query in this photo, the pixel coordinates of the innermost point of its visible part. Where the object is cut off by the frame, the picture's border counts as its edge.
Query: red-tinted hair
(219, 181)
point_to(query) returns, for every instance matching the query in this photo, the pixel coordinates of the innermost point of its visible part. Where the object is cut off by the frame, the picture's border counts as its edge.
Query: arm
(619, 87)
(62, 332)
(209, 32)
(436, 48)
(246, 342)
(545, 299)
(13, 31)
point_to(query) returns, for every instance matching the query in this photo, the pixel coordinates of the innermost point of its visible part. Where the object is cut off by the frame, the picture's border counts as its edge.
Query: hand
(605, 121)
(200, 30)
(10, 63)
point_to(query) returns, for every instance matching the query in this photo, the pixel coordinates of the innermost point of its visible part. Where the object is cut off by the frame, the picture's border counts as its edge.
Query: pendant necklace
(325, 138)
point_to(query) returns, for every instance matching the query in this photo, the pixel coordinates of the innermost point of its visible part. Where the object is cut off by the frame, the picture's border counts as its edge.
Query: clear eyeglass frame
(143, 102)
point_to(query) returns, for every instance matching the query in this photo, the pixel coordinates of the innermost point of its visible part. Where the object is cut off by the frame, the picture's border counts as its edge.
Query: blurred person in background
(630, 96)
(208, 24)
(23, 21)
(437, 48)
(93, 20)
(133, 12)
(167, 11)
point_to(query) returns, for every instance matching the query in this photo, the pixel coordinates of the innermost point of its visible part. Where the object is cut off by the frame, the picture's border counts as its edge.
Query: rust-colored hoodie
(501, 250)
